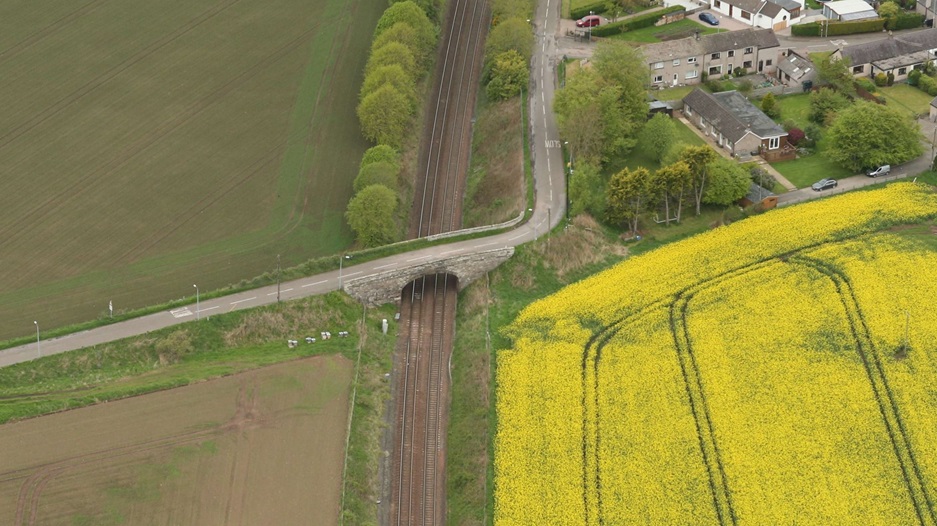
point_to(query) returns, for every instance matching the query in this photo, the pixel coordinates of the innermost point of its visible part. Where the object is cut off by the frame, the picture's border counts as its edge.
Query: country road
(550, 204)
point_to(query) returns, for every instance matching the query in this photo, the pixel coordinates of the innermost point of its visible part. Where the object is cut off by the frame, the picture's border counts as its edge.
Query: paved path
(550, 203)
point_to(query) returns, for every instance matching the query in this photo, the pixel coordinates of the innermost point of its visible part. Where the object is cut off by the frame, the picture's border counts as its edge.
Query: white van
(881, 170)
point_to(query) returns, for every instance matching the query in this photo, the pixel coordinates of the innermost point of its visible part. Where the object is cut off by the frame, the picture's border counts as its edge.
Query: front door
(674, 79)
(761, 66)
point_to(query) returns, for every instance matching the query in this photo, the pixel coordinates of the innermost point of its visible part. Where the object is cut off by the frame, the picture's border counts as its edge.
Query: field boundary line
(351, 411)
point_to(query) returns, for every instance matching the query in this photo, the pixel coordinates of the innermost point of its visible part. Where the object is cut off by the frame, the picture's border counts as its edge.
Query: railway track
(428, 304)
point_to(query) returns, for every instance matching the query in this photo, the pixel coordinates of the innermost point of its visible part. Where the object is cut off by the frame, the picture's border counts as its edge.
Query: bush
(813, 134)
(881, 79)
(716, 85)
(907, 21)
(745, 86)
(928, 85)
(914, 76)
(595, 8)
(890, 78)
(839, 28)
(770, 106)
(638, 22)
(795, 136)
(866, 84)
(739, 72)
(508, 74)
(824, 104)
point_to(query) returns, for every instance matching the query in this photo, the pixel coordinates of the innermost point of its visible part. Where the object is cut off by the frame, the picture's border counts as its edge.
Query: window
(687, 110)
(858, 69)
(746, 15)
(717, 4)
(774, 143)
(715, 56)
(730, 68)
(692, 74)
(715, 70)
(731, 53)
(747, 64)
(691, 60)
(676, 62)
(749, 50)
(658, 65)
(768, 62)
(658, 79)
(902, 71)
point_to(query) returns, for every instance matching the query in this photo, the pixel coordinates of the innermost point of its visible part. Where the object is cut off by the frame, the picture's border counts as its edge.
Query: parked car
(885, 169)
(709, 19)
(824, 184)
(589, 21)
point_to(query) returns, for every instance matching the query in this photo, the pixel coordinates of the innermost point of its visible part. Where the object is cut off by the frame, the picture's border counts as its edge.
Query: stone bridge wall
(387, 286)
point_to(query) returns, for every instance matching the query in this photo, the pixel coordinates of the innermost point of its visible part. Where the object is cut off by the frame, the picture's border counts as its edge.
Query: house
(898, 55)
(766, 14)
(795, 69)
(848, 10)
(928, 8)
(684, 61)
(933, 110)
(737, 125)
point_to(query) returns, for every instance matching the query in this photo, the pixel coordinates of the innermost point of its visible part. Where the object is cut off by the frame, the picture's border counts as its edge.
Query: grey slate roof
(891, 47)
(797, 67)
(934, 102)
(768, 7)
(732, 114)
(691, 47)
(756, 193)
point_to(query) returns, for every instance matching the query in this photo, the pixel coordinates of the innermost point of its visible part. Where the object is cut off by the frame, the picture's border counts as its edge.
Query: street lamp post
(340, 260)
(38, 348)
(566, 179)
(198, 311)
(278, 278)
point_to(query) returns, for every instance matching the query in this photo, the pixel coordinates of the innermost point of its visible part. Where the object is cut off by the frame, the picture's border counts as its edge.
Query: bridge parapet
(386, 286)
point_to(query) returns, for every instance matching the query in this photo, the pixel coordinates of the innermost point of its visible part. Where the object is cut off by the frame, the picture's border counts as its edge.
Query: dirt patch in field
(263, 447)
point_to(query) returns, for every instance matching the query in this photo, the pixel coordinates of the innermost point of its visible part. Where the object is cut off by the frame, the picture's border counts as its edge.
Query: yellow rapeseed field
(755, 374)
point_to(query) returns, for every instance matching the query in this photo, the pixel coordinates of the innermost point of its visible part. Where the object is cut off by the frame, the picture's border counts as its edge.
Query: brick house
(736, 125)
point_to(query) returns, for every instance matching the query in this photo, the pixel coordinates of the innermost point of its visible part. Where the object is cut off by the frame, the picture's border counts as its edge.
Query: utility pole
(278, 278)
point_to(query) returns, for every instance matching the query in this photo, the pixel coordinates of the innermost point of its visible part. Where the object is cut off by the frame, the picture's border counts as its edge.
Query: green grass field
(145, 148)
(908, 98)
(679, 29)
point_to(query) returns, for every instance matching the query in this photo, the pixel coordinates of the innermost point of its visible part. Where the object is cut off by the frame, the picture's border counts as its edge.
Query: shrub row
(928, 85)
(906, 21)
(638, 22)
(595, 8)
(838, 28)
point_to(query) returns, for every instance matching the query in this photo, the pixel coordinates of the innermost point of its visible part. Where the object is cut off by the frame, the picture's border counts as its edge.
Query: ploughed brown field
(262, 447)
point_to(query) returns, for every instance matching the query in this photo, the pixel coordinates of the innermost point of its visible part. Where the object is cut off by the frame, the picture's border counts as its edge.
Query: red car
(589, 21)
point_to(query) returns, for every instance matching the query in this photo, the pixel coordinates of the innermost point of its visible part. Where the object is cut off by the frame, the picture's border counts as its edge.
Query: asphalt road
(550, 204)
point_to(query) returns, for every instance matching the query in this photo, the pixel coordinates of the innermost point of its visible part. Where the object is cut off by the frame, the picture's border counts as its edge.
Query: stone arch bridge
(386, 287)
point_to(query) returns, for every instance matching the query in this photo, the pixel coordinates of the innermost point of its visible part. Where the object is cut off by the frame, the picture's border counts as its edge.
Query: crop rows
(607, 327)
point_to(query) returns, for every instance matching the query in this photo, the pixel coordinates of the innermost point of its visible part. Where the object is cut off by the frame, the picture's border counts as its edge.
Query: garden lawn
(672, 93)
(805, 171)
(907, 97)
(795, 108)
(667, 32)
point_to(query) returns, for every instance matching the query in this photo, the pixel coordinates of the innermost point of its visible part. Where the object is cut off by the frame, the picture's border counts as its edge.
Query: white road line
(451, 251)
(516, 237)
(484, 244)
(272, 294)
(242, 301)
(180, 313)
(351, 274)
(316, 283)
(208, 308)
(385, 266)
(543, 97)
(421, 257)
(544, 108)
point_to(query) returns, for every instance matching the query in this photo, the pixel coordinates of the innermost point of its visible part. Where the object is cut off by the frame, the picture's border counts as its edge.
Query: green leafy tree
(769, 105)
(385, 116)
(578, 112)
(657, 136)
(889, 11)
(371, 214)
(586, 190)
(512, 33)
(390, 54)
(382, 173)
(698, 159)
(392, 75)
(429, 7)
(825, 104)
(378, 154)
(621, 66)
(509, 74)
(868, 134)
(421, 44)
(837, 73)
(408, 12)
(728, 182)
(627, 196)
(504, 9)
(671, 183)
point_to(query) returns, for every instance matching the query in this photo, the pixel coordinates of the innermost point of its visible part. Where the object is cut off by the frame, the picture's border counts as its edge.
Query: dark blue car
(709, 19)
